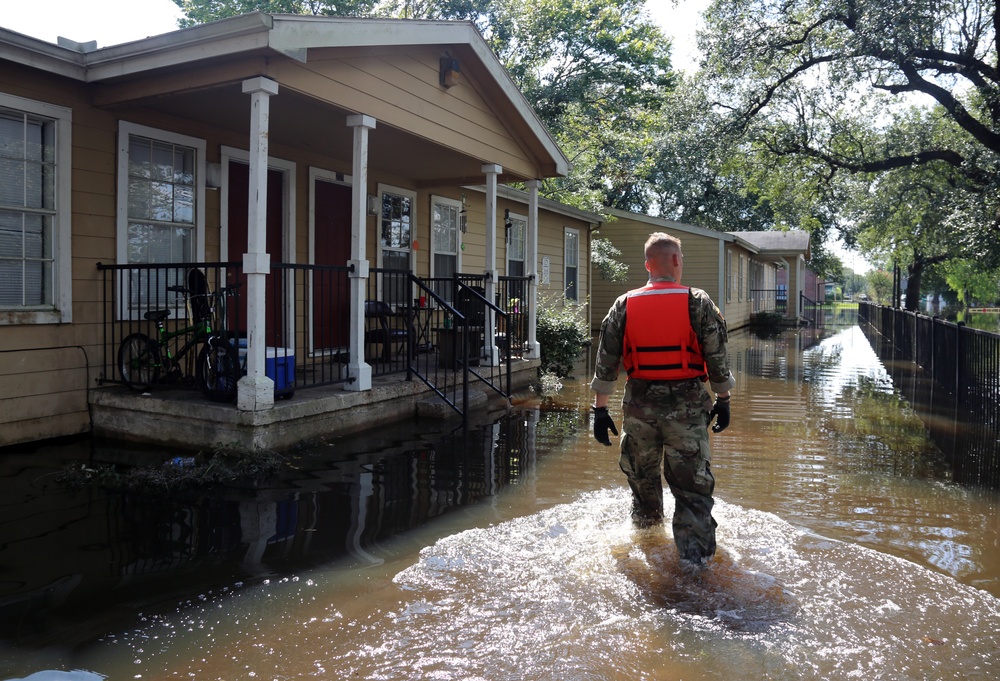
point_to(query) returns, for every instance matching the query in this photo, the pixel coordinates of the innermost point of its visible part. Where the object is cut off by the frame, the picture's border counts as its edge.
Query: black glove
(720, 412)
(603, 423)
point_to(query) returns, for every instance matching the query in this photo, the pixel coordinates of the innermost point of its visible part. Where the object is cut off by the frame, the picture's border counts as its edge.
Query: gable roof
(776, 242)
(669, 224)
(293, 37)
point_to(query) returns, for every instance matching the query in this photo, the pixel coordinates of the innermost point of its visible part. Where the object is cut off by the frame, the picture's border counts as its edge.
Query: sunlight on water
(573, 592)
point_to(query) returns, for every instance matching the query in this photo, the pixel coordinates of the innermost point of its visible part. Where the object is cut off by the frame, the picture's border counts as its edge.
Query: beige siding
(701, 262)
(738, 306)
(401, 89)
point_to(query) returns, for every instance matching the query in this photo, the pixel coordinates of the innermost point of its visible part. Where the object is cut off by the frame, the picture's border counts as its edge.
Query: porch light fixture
(372, 204)
(448, 71)
(507, 224)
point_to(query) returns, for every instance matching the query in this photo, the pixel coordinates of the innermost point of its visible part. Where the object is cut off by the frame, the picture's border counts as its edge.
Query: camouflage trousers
(665, 427)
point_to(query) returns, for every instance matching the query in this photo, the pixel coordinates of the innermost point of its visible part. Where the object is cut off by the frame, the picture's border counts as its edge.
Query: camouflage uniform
(667, 421)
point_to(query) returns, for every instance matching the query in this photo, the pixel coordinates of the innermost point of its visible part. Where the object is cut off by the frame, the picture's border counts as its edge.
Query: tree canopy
(888, 111)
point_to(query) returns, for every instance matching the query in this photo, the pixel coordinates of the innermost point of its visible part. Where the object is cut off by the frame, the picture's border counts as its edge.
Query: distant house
(320, 162)
(740, 270)
(788, 252)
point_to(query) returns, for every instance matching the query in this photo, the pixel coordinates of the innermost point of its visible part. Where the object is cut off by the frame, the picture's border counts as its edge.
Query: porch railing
(768, 300)
(431, 329)
(128, 292)
(440, 327)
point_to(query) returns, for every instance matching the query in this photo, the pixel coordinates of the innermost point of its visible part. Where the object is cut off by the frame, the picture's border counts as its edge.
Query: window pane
(516, 246)
(11, 283)
(139, 199)
(35, 191)
(140, 158)
(11, 235)
(395, 221)
(162, 162)
(11, 135)
(27, 181)
(11, 182)
(35, 245)
(571, 283)
(37, 275)
(161, 201)
(444, 232)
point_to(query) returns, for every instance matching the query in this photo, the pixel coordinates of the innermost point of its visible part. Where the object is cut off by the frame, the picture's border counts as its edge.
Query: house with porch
(795, 285)
(340, 188)
(739, 270)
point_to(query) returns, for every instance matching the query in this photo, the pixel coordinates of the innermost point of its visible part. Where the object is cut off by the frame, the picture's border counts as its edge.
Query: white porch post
(358, 369)
(533, 349)
(255, 391)
(491, 354)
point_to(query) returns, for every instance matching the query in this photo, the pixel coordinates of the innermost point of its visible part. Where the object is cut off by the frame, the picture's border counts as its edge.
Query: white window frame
(125, 131)
(61, 310)
(567, 232)
(390, 189)
(516, 217)
(450, 203)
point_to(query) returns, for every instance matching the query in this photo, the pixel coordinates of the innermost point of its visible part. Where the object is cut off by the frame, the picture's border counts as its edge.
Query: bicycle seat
(156, 315)
(201, 306)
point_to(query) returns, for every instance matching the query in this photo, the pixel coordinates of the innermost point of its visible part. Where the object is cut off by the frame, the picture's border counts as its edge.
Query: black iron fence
(963, 365)
(768, 300)
(433, 329)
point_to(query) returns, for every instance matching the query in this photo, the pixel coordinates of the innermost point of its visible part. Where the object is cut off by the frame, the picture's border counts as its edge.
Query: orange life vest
(660, 344)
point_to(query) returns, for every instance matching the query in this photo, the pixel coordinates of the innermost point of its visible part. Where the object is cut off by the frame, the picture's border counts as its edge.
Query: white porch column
(255, 391)
(358, 369)
(533, 349)
(491, 354)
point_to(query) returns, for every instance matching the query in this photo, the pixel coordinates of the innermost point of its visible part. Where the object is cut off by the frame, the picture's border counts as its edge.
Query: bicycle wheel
(218, 370)
(139, 361)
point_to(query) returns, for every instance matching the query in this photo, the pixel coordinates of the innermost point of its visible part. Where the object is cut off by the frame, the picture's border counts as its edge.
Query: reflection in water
(506, 552)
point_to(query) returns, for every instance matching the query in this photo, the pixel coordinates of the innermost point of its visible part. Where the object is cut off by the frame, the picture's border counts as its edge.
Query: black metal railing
(811, 311)
(433, 329)
(130, 292)
(768, 300)
(964, 363)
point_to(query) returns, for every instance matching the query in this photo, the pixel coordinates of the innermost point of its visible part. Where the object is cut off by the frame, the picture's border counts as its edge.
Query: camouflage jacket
(708, 324)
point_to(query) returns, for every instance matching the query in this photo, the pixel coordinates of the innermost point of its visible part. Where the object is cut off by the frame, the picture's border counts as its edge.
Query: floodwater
(506, 553)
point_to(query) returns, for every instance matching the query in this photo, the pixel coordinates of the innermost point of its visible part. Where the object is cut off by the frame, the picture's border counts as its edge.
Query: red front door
(331, 290)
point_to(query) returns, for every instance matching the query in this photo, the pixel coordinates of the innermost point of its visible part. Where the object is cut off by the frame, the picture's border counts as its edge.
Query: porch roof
(778, 243)
(174, 72)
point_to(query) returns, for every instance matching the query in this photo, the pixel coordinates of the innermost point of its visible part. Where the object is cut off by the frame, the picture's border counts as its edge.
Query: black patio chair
(380, 330)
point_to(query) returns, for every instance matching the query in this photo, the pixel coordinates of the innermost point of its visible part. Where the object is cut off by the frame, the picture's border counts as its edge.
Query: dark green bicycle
(144, 361)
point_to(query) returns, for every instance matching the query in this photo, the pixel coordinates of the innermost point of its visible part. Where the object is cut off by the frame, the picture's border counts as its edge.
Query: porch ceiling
(298, 122)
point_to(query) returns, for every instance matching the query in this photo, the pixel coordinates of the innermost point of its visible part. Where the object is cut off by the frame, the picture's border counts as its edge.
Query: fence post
(958, 361)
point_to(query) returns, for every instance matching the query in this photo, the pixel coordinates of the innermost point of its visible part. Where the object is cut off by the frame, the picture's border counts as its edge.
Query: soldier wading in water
(670, 339)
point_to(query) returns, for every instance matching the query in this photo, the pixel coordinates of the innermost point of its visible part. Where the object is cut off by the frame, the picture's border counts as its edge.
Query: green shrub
(562, 332)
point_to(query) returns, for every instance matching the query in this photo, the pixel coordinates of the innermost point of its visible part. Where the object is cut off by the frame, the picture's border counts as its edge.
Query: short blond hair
(660, 243)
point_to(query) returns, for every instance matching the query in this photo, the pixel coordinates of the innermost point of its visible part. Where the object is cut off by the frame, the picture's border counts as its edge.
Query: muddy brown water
(846, 552)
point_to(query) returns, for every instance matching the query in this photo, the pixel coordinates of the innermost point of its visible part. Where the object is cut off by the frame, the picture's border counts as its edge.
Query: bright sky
(111, 22)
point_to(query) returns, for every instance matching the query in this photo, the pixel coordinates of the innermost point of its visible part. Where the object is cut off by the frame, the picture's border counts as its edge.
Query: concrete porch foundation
(183, 419)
